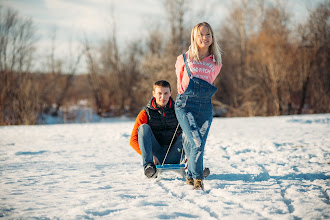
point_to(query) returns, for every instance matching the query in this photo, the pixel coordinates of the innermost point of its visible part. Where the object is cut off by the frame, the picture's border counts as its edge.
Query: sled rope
(169, 147)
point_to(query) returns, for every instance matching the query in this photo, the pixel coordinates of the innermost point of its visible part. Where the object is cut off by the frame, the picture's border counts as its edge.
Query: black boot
(206, 172)
(150, 170)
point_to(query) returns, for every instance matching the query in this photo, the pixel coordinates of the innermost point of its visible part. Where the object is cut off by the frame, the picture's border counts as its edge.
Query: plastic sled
(178, 168)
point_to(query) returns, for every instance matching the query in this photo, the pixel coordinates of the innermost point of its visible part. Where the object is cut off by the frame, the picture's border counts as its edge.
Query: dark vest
(163, 122)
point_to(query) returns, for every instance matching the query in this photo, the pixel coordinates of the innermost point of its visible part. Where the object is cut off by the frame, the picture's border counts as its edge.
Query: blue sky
(73, 18)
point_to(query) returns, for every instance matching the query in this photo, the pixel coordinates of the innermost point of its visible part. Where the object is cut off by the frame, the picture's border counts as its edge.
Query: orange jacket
(142, 118)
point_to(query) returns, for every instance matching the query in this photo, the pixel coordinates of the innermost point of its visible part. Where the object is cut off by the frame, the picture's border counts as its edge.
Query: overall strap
(187, 67)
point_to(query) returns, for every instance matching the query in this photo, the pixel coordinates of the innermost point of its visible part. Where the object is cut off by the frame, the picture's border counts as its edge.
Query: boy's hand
(156, 161)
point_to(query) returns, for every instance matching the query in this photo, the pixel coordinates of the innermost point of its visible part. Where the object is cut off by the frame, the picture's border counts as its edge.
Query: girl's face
(204, 38)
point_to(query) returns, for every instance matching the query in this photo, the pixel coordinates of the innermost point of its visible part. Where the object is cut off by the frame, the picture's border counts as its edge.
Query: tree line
(270, 65)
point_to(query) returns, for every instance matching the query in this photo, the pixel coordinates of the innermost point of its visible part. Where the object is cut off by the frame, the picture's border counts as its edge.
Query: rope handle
(168, 149)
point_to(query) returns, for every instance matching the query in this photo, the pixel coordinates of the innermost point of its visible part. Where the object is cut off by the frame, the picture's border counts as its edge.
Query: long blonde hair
(213, 49)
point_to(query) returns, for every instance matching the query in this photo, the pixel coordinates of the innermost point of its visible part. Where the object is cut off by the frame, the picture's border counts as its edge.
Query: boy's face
(162, 95)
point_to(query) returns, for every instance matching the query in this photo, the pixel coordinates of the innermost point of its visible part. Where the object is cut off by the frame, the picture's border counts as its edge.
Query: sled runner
(178, 168)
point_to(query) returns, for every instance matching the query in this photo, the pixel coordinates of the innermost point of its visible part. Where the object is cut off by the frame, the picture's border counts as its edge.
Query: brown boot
(190, 181)
(198, 184)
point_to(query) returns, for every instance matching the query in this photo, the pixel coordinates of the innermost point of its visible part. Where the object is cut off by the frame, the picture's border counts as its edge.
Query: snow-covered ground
(261, 168)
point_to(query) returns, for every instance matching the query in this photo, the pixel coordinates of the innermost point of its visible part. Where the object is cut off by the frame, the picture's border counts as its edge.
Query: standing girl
(196, 71)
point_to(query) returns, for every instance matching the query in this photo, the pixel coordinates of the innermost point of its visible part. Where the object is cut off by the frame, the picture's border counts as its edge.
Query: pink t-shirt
(206, 70)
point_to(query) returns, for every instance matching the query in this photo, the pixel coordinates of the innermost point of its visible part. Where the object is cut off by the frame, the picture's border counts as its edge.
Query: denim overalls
(194, 109)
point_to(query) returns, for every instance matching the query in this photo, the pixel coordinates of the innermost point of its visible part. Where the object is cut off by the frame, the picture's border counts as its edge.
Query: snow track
(261, 168)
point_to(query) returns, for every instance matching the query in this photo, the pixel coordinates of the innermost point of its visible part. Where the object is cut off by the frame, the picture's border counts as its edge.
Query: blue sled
(178, 168)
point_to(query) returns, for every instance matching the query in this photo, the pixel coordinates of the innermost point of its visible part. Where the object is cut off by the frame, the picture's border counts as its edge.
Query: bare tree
(122, 83)
(176, 10)
(314, 47)
(94, 78)
(17, 41)
(112, 78)
(272, 60)
(242, 23)
(163, 46)
(132, 80)
(57, 79)
(259, 60)
(18, 93)
(72, 67)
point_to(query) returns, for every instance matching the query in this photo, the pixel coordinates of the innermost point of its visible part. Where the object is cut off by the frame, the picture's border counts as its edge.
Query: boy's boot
(150, 170)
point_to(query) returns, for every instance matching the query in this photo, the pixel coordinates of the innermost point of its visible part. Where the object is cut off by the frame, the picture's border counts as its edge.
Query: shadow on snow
(266, 177)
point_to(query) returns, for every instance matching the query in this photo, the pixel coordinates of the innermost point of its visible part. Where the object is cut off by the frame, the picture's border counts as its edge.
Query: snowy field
(261, 168)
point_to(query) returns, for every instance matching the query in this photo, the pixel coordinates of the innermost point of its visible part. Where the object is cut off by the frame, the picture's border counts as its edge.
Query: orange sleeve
(142, 118)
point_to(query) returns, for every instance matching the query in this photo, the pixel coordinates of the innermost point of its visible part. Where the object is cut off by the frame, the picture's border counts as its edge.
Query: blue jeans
(194, 112)
(149, 146)
(195, 118)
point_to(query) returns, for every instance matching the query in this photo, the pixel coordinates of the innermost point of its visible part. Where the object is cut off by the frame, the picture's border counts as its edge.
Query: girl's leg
(187, 149)
(196, 141)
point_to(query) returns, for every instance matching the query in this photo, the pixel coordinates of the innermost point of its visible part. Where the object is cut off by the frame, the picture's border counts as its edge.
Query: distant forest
(272, 65)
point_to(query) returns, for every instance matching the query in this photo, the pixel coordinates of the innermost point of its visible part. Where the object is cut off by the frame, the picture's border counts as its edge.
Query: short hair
(162, 83)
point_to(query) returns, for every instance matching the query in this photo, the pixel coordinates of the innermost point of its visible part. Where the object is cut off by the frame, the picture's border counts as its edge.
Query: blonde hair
(213, 49)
